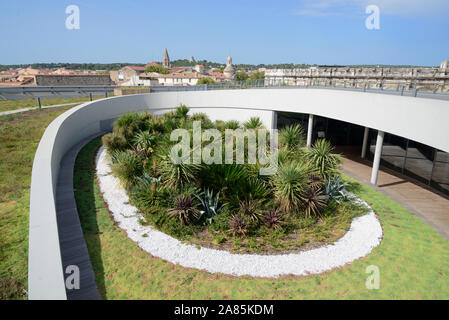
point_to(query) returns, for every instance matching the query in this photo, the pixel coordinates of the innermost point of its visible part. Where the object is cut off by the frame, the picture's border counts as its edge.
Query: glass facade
(414, 159)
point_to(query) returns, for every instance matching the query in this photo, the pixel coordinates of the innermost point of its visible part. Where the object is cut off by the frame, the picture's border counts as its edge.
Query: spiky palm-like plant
(184, 208)
(253, 123)
(252, 209)
(322, 159)
(274, 218)
(114, 142)
(129, 123)
(200, 116)
(182, 111)
(238, 225)
(174, 175)
(289, 184)
(144, 143)
(291, 137)
(232, 125)
(314, 202)
(127, 166)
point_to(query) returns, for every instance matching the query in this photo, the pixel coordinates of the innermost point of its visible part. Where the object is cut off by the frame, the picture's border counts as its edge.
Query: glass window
(419, 162)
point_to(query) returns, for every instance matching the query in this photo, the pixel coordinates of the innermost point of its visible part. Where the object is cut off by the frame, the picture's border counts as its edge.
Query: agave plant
(144, 143)
(252, 210)
(274, 218)
(322, 159)
(253, 123)
(289, 184)
(336, 189)
(185, 209)
(126, 166)
(238, 225)
(210, 205)
(291, 137)
(314, 202)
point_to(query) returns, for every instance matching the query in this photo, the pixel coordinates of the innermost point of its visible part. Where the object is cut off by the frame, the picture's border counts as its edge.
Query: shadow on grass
(86, 191)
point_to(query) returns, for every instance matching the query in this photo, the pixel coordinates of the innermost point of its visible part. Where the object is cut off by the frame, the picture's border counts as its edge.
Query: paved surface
(429, 206)
(71, 238)
(5, 113)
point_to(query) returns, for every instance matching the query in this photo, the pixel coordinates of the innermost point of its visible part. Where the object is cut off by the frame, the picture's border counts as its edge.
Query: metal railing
(436, 90)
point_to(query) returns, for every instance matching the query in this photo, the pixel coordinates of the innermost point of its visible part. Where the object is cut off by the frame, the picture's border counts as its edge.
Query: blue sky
(413, 32)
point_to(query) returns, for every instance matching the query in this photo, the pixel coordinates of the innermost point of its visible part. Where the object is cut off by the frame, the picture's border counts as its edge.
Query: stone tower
(229, 70)
(166, 59)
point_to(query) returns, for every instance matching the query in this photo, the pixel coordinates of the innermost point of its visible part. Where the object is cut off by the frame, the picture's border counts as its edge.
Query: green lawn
(7, 105)
(19, 137)
(413, 259)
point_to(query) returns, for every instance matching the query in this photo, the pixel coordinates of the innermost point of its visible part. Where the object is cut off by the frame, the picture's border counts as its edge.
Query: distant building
(192, 59)
(128, 75)
(166, 59)
(444, 65)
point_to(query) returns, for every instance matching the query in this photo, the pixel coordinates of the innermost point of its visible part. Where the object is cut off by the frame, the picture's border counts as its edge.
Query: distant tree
(257, 75)
(242, 76)
(221, 69)
(205, 81)
(157, 69)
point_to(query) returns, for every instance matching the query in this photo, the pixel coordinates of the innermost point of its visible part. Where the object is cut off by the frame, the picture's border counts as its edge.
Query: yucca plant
(291, 137)
(144, 143)
(127, 167)
(129, 123)
(238, 225)
(174, 175)
(182, 111)
(228, 178)
(232, 125)
(336, 189)
(322, 159)
(274, 218)
(253, 123)
(252, 209)
(200, 116)
(114, 142)
(314, 202)
(185, 209)
(210, 205)
(289, 184)
(143, 193)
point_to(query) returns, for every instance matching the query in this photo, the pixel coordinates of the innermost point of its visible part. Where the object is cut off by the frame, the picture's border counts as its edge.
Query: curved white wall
(422, 120)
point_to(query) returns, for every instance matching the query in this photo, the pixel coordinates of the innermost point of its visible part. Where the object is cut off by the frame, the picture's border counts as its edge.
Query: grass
(7, 105)
(413, 259)
(19, 137)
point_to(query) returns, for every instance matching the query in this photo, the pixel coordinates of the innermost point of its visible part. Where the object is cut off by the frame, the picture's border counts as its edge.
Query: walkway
(5, 113)
(430, 207)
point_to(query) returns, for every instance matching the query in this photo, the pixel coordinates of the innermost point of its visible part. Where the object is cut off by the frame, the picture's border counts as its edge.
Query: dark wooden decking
(71, 239)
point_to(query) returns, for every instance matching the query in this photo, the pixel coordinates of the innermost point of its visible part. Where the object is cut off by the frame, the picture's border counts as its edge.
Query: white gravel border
(364, 234)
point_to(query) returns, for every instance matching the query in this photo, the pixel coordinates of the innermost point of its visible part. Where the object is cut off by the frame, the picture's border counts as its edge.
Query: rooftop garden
(231, 206)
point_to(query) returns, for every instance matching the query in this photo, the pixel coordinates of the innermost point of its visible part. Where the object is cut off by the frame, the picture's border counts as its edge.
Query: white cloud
(417, 8)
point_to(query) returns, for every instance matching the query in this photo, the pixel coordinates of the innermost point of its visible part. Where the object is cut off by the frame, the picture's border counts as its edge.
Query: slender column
(365, 142)
(377, 156)
(309, 130)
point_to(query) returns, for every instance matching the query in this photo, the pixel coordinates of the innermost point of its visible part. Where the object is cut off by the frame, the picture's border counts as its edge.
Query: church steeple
(166, 59)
